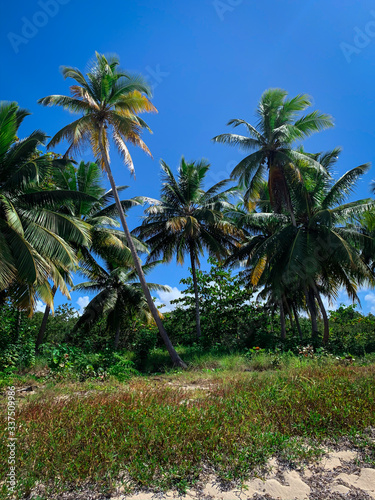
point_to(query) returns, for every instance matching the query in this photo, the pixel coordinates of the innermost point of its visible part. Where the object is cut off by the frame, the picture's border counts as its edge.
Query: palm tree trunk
(3, 298)
(18, 322)
(312, 309)
(290, 208)
(117, 338)
(194, 273)
(275, 197)
(43, 326)
(282, 321)
(288, 199)
(287, 307)
(177, 361)
(324, 314)
(297, 321)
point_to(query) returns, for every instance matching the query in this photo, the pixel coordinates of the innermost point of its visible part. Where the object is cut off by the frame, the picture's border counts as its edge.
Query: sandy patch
(364, 481)
(293, 489)
(337, 476)
(324, 480)
(336, 459)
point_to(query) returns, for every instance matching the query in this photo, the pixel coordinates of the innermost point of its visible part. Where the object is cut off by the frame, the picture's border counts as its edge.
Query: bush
(66, 361)
(228, 315)
(351, 332)
(17, 346)
(19, 355)
(123, 369)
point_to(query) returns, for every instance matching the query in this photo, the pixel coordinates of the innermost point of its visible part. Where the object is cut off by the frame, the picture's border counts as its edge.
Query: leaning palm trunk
(194, 273)
(312, 309)
(43, 326)
(177, 361)
(324, 315)
(282, 321)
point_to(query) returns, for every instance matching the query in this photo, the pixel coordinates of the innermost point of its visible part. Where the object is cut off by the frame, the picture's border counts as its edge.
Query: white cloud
(334, 304)
(166, 298)
(40, 306)
(370, 299)
(255, 299)
(82, 302)
(366, 296)
(342, 298)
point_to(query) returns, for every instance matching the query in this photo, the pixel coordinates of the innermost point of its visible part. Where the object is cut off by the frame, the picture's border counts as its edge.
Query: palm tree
(34, 236)
(188, 220)
(319, 255)
(262, 250)
(109, 100)
(367, 224)
(120, 296)
(106, 240)
(271, 144)
(330, 233)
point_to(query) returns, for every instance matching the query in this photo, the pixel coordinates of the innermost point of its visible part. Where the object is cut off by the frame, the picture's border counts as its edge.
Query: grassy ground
(168, 430)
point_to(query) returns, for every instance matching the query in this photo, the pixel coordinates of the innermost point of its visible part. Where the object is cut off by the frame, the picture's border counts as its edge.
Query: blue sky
(208, 61)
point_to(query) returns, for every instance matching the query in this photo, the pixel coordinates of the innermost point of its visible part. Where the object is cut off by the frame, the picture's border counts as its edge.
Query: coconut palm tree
(322, 253)
(188, 220)
(367, 224)
(261, 228)
(34, 236)
(271, 144)
(330, 233)
(120, 296)
(109, 101)
(106, 240)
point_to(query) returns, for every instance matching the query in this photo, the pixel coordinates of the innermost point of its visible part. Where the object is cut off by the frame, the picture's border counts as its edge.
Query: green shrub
(351, 332)
(17, 347)
(66, 361)
(19, 355)
(123, 369)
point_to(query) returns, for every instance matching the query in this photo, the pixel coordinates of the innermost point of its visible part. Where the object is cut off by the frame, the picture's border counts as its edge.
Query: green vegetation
(34, 235)
(249, 363)
(165, 432)
(288, 224)
(120, 299)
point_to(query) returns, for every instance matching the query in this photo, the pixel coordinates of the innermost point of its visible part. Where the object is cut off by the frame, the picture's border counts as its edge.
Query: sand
(330, 479)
